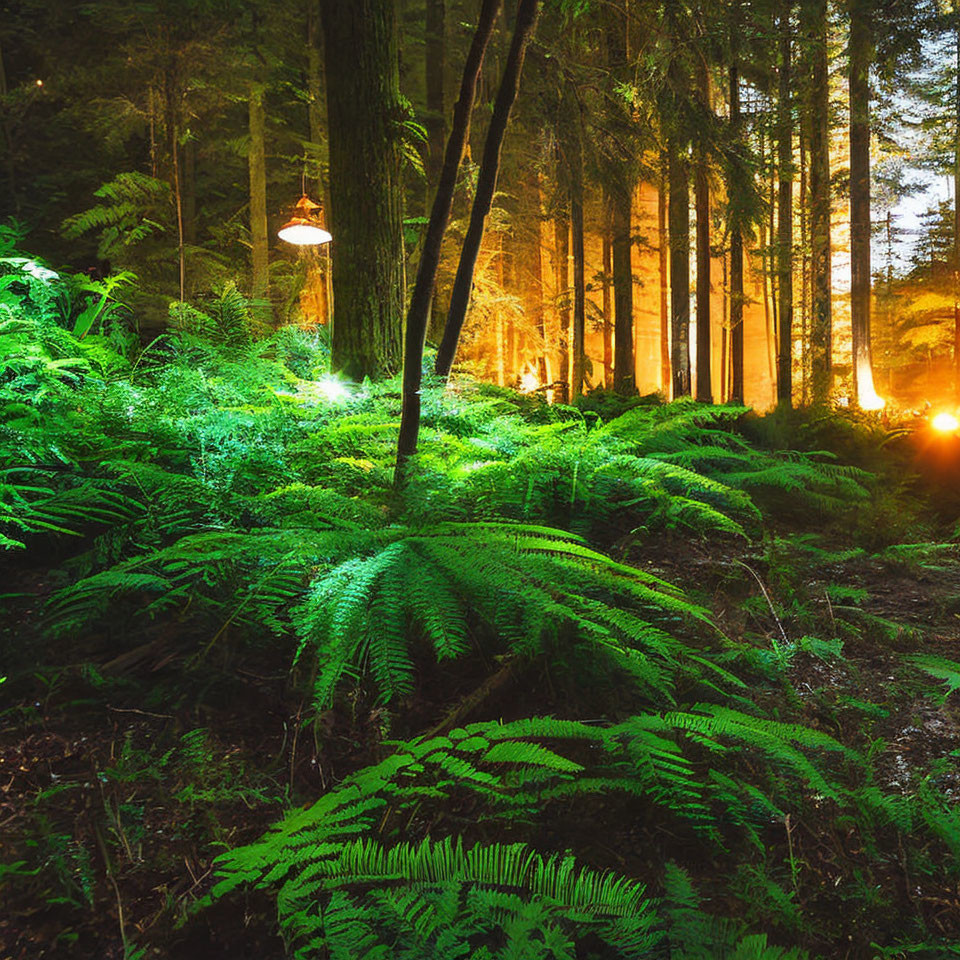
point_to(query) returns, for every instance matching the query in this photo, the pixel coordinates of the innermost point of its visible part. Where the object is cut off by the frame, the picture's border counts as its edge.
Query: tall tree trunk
(418, 316)
(956, 216)
(435, 117)
(785, 217)
(624, 362)
(486, 184)
(621, 201)
(574, 151)
(736, 260)
(679, 224)
(317, 137)
(561, 236)
(362, 67)
(190, 191)
(804, 207)
(814, 14)
(663, 242)
(607, 302)
(178, 200)
(702, 203)
(258, 195)
(861, 53)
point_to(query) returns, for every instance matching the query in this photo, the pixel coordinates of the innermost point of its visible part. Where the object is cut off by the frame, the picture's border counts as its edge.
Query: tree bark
(362, 67)
(561, 237)
(607, 303)
(702, 203)
(679, 225)
(736, 262)
(956, 217)
(814, 14)
(785, 217)
(575, 165)
(861, 54)
(621, 211)
(418, 316)
(258, 196)
(664, 264)
(486, 183)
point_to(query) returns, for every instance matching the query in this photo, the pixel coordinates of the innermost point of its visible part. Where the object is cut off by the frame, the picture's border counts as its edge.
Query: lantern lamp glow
(945, 423)
(303, 228)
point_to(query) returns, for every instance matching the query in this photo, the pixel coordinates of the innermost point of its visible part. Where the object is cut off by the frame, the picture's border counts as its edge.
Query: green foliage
(343, 840)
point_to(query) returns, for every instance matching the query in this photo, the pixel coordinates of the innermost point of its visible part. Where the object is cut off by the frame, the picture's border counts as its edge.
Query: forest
(480, 479)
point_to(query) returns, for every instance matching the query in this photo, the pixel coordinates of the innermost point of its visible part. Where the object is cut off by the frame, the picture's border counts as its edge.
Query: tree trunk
(956, 219)
(258, 196)
(190, 191)
(814, 14)
(317, 137)
(418, 315)
(861, 53)
(785, 218)
(702, 203)
(736, 261)
(486, 184)
(362, 67)
(607, 303)
(679, 225)
(621, 208)
(435, 116)
(561, 236)
(574, 150)
(663, 243)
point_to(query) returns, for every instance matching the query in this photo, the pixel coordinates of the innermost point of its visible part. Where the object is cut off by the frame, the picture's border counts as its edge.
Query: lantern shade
(304, 228)
(303, 233)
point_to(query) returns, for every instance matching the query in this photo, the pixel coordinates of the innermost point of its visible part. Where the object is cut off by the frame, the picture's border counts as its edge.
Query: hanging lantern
(304, 228)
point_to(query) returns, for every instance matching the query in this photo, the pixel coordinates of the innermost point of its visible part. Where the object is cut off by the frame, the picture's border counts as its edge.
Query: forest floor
(130, 773)
(713, 654)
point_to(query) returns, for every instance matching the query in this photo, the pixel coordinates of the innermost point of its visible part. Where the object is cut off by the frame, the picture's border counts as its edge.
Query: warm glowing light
(529, 382)
(39, 83)
(871, 401)
(304, 227)
(303, 234)
(945, 423)
(867, 396)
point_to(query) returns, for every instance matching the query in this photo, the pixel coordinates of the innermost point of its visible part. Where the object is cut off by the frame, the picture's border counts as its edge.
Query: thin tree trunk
(258, 195)
(861, 53)
(804, 207)
(486, 184)
(178, 198)
(814, 13)
(561, 234)
(736, 262)
(607, 302)
(315, 120)
(575, 164)
(190, 191)
(702, 202)
(366, 195)
(621, 213)
(956, 219)
(679, 225)
(785, 217)
(418, 316)
(663, 245)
